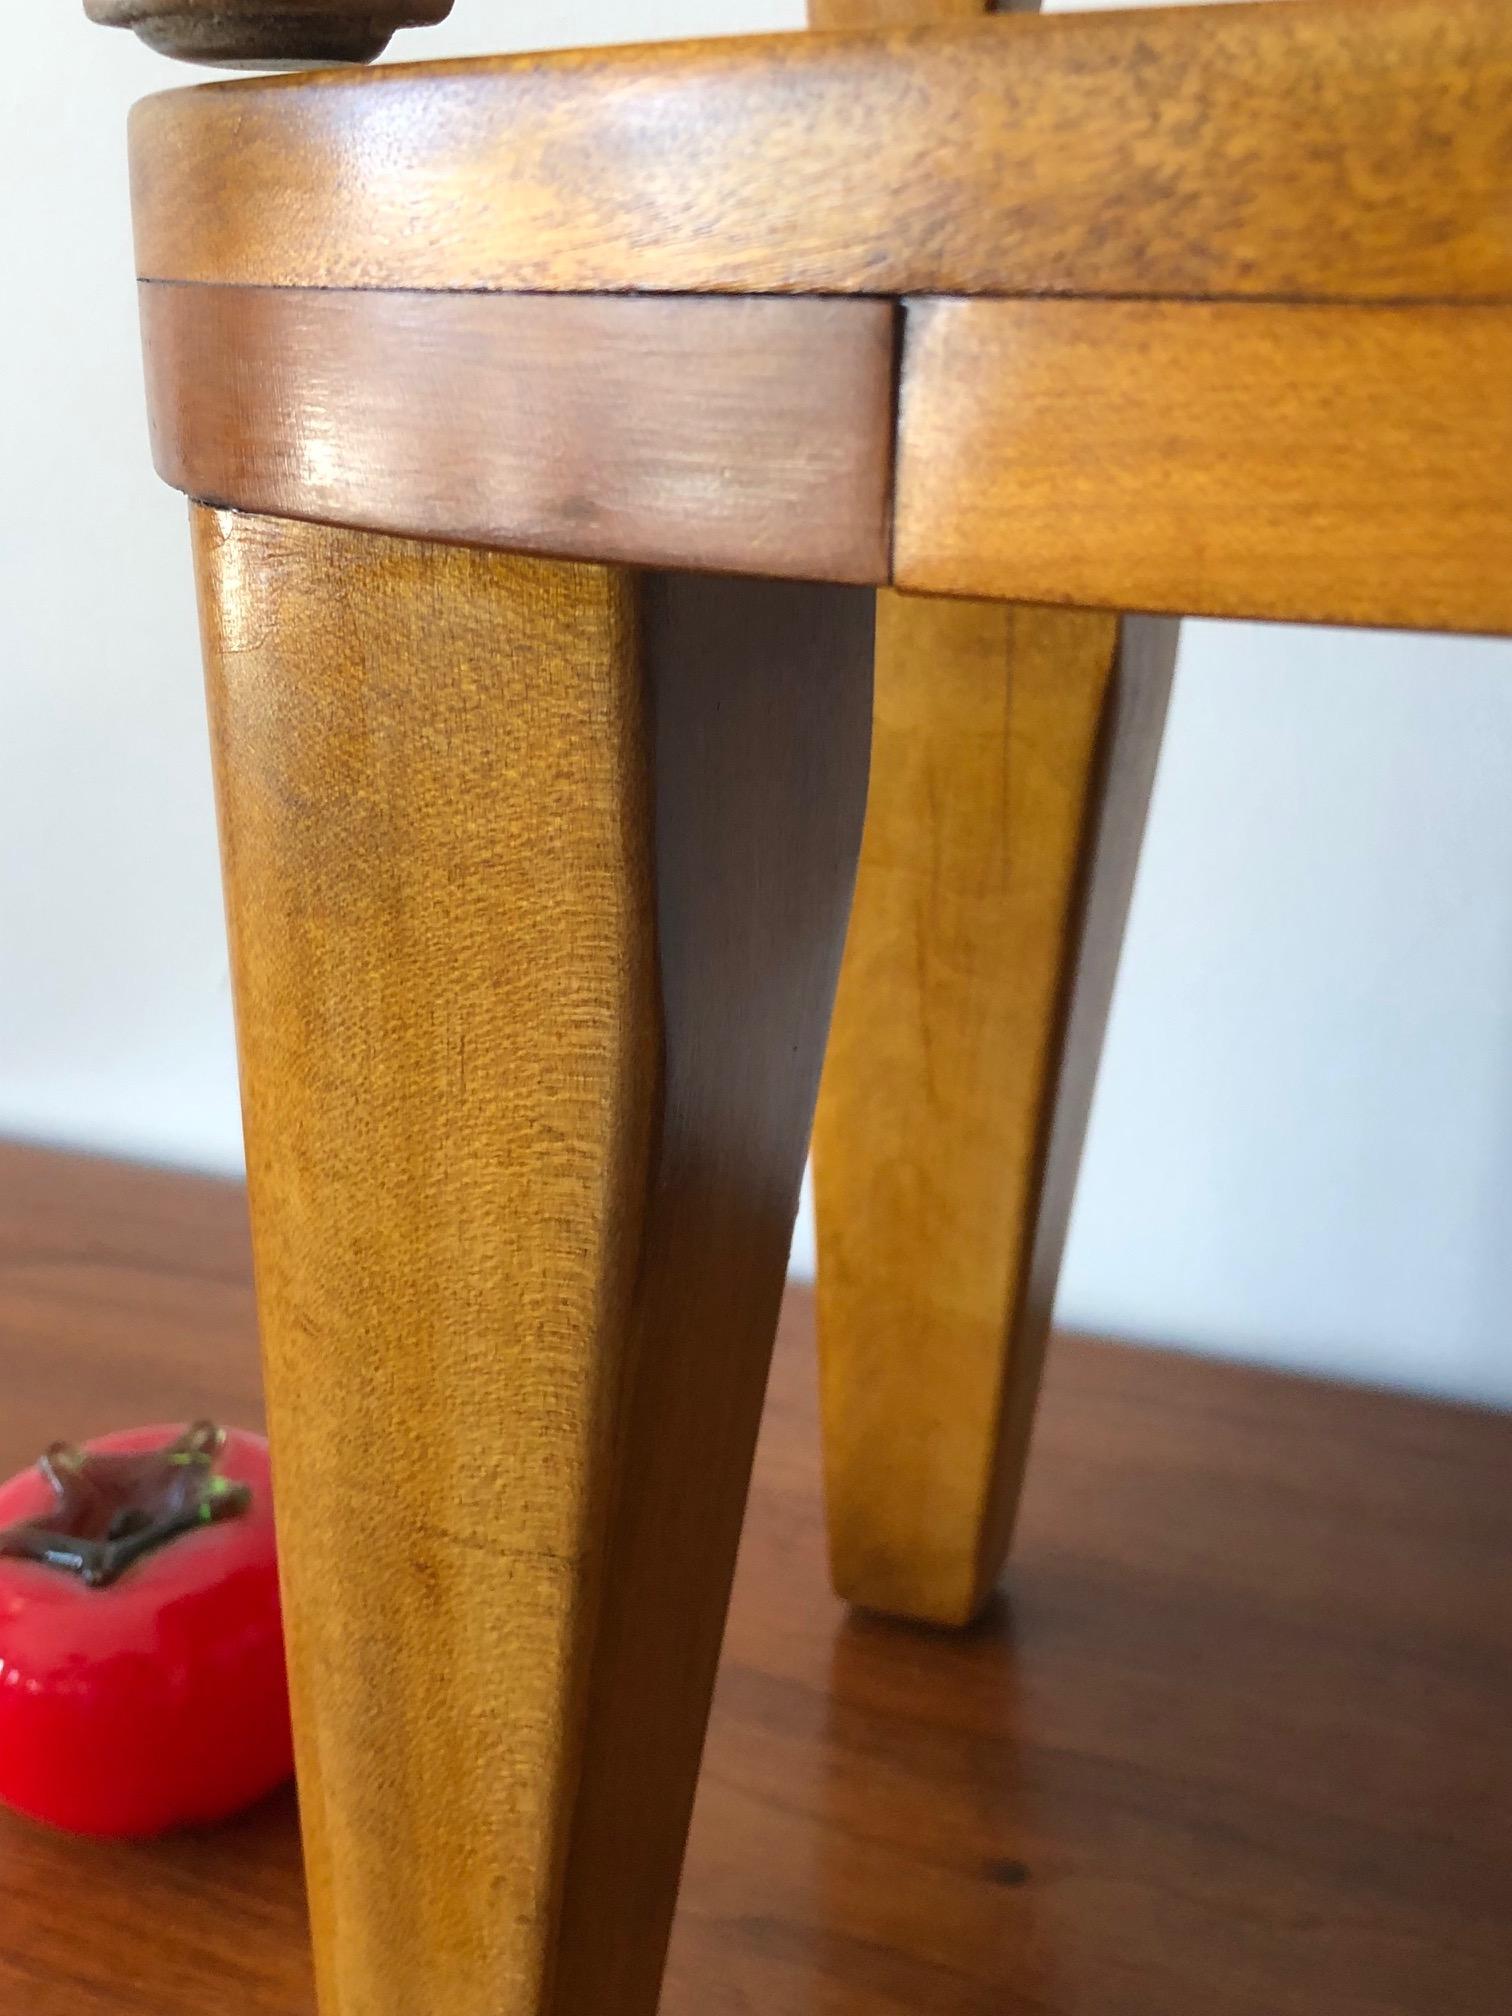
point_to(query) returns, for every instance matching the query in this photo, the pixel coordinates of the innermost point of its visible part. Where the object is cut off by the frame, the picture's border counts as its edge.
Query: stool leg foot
(537, 877)
(1013, 756)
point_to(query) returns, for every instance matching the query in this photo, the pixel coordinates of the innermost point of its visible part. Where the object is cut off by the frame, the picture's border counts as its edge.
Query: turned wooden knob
(267, 34)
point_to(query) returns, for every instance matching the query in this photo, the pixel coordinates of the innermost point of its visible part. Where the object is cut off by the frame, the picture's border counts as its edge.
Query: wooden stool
(550, 424)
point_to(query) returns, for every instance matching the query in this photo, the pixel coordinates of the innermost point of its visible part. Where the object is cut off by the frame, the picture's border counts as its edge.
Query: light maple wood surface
(1013, 755)
(1345, 465)
(537, 877)
(944, 1160)
(537, 872)
(1340, 464)
(1324, 149)
(253, 33)
(748, 435)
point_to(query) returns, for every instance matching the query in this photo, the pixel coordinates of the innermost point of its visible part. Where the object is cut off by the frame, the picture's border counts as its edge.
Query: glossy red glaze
(160, 1701)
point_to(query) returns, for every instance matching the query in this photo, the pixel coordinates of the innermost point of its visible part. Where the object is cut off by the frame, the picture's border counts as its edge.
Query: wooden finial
(267, 34)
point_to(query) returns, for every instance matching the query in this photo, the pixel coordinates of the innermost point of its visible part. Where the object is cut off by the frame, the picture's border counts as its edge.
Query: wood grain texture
(255, 34)
(1321, 149)
(537, 879)
(880, 1162)
(749, 436)
(1234, 1741)
(1344, 466)
(1013, 755)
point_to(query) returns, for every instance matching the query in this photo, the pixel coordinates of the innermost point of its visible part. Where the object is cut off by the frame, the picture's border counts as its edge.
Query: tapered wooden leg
(537, 878)
(1012, 762)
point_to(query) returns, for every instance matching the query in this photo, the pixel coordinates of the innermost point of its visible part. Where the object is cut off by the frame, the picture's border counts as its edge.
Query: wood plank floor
(1234, 1744)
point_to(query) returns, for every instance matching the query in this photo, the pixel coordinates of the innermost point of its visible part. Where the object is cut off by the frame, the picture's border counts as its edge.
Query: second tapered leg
(1013, 757)
(537, 877)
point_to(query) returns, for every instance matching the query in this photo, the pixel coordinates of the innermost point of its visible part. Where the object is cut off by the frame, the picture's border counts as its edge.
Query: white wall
(1302, 1142)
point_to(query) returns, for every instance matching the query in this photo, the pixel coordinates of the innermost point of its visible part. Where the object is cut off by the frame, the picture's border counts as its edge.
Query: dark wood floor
(1236, 1742)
